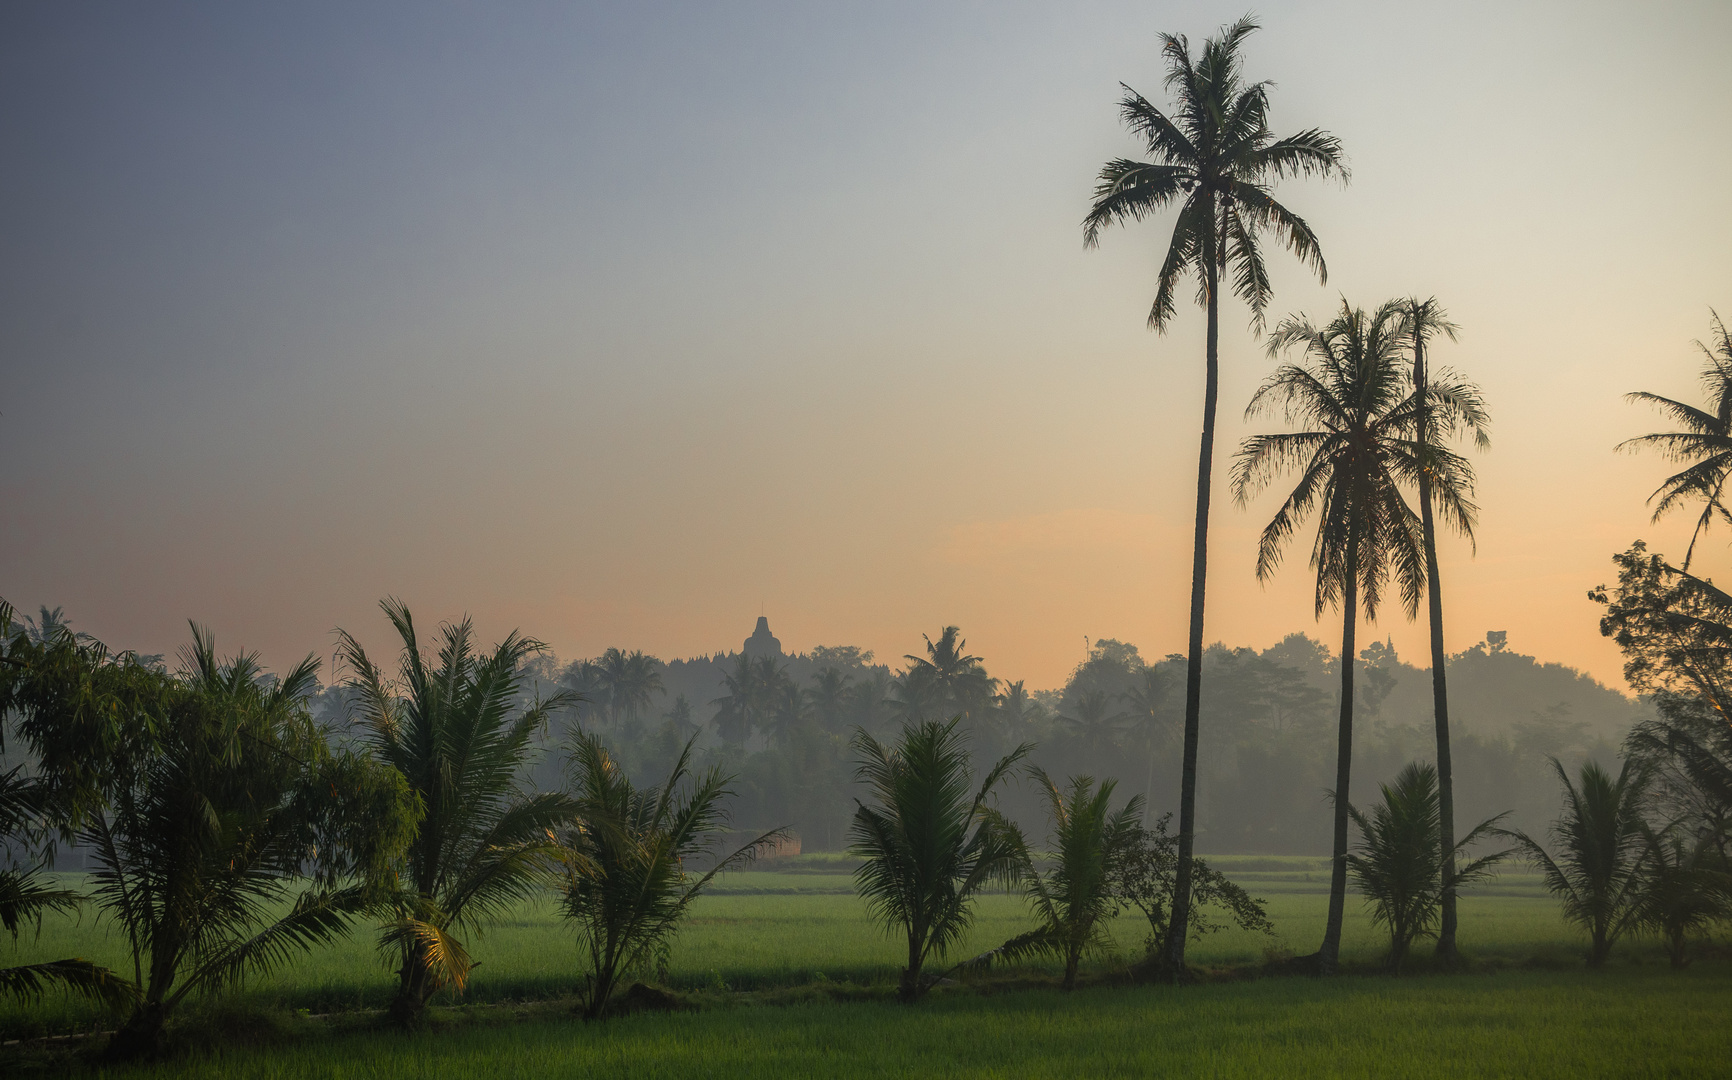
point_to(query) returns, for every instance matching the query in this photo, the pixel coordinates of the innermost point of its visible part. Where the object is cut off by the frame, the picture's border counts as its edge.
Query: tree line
(231, 830)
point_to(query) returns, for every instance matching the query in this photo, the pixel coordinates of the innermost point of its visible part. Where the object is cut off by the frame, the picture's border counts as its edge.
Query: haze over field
(623, 326)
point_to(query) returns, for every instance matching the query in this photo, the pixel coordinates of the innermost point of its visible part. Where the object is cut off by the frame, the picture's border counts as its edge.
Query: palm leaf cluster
(1352, 390)
(1600, 841)
(454, 730)
(929, 839)
(1703, 442)
(1073, 897)
(627, 882)
(1214, 157)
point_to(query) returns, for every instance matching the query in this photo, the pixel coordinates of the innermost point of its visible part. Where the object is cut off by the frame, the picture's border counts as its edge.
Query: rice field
(800, 926)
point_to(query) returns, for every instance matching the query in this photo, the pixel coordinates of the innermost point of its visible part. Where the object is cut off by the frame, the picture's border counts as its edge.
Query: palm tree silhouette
(1426, 319)
(1093, 722)
(1215, 158)
(1352, 385)
(1705, 442)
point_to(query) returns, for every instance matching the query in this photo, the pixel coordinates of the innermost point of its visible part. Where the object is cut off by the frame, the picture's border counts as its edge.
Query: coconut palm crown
(1705, 442)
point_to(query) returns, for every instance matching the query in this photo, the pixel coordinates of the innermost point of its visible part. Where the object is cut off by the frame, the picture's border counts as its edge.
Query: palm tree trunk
(1329, 956)
(1178, 929)
(910, 988)
(1446, 951)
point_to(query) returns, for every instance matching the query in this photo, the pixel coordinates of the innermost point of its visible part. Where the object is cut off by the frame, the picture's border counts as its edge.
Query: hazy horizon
(624, 326)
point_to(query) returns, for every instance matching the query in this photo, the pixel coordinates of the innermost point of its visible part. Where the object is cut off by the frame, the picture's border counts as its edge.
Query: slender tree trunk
(910, 988)
(1446, 951)
(1179, 928)
(1329, 956)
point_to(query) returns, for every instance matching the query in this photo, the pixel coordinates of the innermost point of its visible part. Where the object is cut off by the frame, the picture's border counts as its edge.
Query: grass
(1629, 1022)
(800, 926)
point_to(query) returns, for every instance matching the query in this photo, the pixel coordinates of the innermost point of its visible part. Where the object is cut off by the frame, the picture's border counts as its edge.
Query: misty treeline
(781, 724)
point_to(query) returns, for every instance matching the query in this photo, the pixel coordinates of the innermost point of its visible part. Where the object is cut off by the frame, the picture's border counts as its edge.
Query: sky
(624, 324)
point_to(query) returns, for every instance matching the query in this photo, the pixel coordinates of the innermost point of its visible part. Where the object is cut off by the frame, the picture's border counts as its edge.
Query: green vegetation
(926, 846)
(1215, 157)
(1398, 866)
(1351, 387)
(458, 739)
(626, 888)
(1640, 1023)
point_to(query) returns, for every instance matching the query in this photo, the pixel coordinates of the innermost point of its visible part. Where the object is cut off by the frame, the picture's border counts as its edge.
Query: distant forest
(781, 723)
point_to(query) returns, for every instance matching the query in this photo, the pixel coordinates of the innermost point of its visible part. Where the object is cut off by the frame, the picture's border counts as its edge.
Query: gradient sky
(625, 323)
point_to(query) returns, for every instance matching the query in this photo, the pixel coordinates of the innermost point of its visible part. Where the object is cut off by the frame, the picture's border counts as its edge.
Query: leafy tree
(626, 886)
(1074, 897)
(788, 711)
(1686, 887)
(1147, 878)
(1352, 387)
(29, 658)
(1151, 714)
(828, 697)
(629, 681)
(1425, 320)
(927, 845)
(1215, 157)
(958, 680)
(1399, 867)
(227, 835)
(1675, 629)
(454, 734)
(1094, 722)
(1704, 443)
(1601, 842)
(752, 690)
(916, 695)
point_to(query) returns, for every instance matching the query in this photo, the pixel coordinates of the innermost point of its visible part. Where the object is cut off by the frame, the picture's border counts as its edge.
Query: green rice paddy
(798, 934)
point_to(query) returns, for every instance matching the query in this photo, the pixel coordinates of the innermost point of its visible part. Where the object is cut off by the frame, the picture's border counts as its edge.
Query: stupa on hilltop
(762, 642)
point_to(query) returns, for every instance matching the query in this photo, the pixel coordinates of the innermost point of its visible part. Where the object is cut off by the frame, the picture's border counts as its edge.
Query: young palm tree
(484, 843)
(626, 885)
(1215, 157)
(1705, 442)
(1399, 867)
(927, 845)
(1686, 887)
(1352, 385)
(1072, 899)
(1601, 843)
(1426, 319)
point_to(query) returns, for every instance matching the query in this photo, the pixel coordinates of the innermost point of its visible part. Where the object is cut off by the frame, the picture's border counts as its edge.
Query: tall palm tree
(961, 678)
(1705, 442)
(1215, 158)
(484, 843)
(1352, 385)
(1425, 320)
